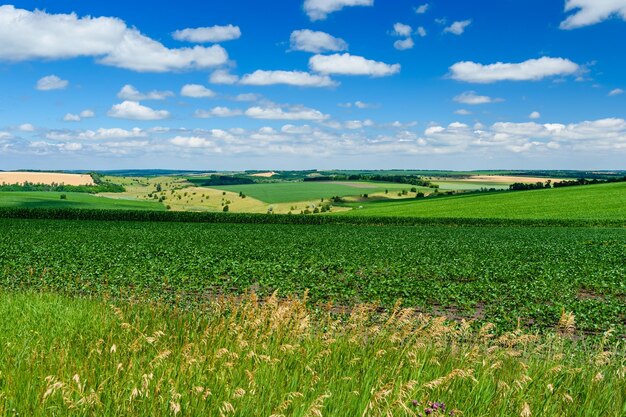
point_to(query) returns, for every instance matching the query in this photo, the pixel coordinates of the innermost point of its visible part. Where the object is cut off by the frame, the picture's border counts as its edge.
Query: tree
(225, 209)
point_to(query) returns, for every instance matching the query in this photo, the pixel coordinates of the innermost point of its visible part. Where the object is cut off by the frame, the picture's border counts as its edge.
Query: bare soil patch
(45, 178)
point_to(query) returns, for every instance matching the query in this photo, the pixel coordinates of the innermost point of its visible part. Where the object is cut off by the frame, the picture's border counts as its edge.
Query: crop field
(45, 199)
(287, 192)
(586, 202)
(505, 275)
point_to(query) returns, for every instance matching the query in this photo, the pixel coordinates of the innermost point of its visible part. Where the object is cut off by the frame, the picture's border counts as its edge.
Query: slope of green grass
(606, 201)
(74, 200)
(285, 192)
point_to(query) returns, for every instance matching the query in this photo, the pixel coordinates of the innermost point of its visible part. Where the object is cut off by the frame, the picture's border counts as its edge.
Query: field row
(507, 275)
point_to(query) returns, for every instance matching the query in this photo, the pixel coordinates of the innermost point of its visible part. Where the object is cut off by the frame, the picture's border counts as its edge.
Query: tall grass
(244, 357)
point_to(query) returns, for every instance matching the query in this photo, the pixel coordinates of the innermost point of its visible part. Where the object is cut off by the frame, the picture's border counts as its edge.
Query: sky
(313, 84)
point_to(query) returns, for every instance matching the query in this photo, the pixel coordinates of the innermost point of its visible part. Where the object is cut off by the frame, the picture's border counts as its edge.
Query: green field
(605, 201)
(497, 274)
(43, 199)
(286, 192)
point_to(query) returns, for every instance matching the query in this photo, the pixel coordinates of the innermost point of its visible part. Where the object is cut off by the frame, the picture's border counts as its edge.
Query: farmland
(286, 192)
(496, 274)
(585, 202)
(44, 199)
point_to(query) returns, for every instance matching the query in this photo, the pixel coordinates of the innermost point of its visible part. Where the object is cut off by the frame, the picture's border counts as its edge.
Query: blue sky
(247, 84)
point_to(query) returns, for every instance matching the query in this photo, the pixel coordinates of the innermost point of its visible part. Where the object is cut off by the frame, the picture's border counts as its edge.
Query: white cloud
(422, 9)
(320, 9)
(100, 134)
(295, 78)
(196, 91)
(247, 97)
(128, 92)
(26, 127)
(534, 115)
(616, 92)
(358, 124)
(26, 35)
(404, 44)
(223, 77)
(85, 114)
(51, 82)
(400, 29)
(214, 34)
(463, 112)
(192, 142)
(218, 112)
(531, 70)
(135, 111)
(69, 117)
(471, 98)
(590, 12)
(316, 42)
(457, 28)
(277, 113)
(297, 130)
(421, 31)
(358, 104)
(346, 64)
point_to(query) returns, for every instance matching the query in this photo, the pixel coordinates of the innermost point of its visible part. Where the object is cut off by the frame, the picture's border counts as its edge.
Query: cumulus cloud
(214, 34)
(422, 9)
(295, 78)
(404, 44)
(196, 91)
(26, 35)
(530, 70)
(85, 114)
(277, 113)
(400, 29)
(471, 98)
(128, 92)
(590, 12)
(193, 142)
(134, 111)
(346, 64)
(534, 115)
(217, 112)
(223, 77)
(421, 31)
(70, 117)
(26, 127)
(463, 112)
(316, 42)
(51, 82)
(320, 9)
(616, 92)
(457, 28)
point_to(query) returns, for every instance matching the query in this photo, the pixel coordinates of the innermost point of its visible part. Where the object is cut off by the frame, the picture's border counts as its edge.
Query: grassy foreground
(605, 201)
(242, 357)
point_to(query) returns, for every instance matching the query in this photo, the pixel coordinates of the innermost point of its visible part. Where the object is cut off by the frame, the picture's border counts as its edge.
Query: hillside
(605, 201)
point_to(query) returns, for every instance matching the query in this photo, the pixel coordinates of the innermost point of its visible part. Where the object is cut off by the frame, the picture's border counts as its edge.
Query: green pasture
(285, 192)
(46, 199)
(605, 201)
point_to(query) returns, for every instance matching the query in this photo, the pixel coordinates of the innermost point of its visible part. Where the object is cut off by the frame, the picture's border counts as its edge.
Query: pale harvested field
(264, 174)
(504, 179)
(45, 178)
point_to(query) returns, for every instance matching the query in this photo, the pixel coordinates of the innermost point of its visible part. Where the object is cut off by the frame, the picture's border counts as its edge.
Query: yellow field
(45, 178)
